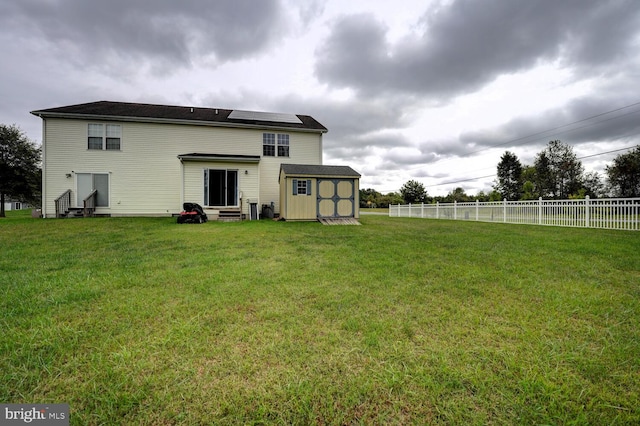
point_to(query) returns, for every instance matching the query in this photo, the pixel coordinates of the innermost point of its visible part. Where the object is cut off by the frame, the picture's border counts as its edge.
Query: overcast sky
(434, 91)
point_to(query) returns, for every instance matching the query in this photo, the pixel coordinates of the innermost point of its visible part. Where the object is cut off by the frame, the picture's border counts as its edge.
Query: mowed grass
(397, 321)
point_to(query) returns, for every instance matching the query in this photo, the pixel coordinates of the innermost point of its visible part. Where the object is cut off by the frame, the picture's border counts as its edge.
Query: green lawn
(397, 321)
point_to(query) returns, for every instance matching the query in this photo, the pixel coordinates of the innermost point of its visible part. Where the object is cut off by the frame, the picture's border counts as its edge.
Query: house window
(301, 186)
(269, 144)
(104, 137)
(283, 145)
(113, 137)
(95, 136)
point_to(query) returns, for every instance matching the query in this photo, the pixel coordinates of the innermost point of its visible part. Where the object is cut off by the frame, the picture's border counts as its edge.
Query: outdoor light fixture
(68, 175)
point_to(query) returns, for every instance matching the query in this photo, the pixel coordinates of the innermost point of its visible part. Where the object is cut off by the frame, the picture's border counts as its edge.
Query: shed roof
(125, 111)
(318, 170)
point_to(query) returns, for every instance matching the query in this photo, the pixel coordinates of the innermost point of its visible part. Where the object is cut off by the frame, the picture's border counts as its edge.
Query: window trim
(283, 142)
(276, 145)
(296, 187)
(269, 142)
(107, 198)
(106, 137)
(206, 202)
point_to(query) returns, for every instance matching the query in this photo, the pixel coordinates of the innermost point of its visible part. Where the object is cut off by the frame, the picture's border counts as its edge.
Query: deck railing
(63, 203)
(89, 204)
(607, 213)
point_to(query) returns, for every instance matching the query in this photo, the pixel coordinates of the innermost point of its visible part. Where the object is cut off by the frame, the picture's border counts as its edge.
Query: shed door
(336, 198)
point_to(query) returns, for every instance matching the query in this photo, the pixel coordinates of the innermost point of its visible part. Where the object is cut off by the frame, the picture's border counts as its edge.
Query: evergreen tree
(509, 183)
(413, 192)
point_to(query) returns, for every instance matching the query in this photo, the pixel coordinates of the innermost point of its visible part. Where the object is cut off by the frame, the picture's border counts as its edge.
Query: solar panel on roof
(264, 116)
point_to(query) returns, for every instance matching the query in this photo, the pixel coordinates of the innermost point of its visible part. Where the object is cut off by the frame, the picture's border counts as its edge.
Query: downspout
(181, 184)
(43, 202)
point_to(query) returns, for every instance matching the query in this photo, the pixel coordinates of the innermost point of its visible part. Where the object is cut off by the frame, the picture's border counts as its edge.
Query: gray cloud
(582, 121)
(467, 44)
(168, 33)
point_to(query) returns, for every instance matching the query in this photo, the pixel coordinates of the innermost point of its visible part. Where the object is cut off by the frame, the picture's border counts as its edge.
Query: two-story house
(127, 159)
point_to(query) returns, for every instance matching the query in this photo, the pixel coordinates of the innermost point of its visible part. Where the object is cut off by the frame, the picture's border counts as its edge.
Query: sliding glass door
(220, 188)
(87, 182)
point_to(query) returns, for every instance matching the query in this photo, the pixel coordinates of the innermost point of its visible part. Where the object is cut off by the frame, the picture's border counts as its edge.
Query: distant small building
(13, 205)
(317, 192)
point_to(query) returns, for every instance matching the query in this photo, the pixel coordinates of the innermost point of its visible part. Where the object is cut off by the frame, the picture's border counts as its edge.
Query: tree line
(556, 173)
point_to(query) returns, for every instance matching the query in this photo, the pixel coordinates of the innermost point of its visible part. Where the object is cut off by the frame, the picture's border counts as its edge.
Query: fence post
(540, 211)
(586, 212)
(504, 210)
(422, 210)
(410, 213)
(477, 208)
(437, 209)
(455, 210)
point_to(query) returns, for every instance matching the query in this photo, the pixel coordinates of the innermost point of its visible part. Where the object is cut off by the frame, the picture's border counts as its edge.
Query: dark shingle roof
(317, 170)
(149, 112)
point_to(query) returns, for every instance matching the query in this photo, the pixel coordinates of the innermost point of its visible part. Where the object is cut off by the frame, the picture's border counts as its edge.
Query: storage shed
(316, 192)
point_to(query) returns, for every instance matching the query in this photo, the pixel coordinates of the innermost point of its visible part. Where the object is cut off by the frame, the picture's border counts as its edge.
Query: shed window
(301, 187)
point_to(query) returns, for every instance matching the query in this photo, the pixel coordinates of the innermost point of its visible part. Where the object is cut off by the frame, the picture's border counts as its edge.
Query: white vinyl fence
(606, 213)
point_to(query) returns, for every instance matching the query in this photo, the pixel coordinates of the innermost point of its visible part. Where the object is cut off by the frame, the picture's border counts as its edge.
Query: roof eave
(46, 114)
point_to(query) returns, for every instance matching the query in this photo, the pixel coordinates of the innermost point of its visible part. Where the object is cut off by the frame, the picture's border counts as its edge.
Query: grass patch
(140, 320)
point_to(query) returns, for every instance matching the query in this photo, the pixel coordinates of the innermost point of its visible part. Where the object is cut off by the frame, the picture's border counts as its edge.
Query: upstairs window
(269, 144)
(95, 136)
(113, 137)
(104, 137)
(283, 145)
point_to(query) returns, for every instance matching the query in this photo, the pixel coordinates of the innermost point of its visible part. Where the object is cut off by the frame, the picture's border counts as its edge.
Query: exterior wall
(298, 207)
(145, 176)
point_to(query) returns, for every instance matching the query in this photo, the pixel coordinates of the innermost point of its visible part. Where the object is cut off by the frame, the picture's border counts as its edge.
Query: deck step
(229, 216)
